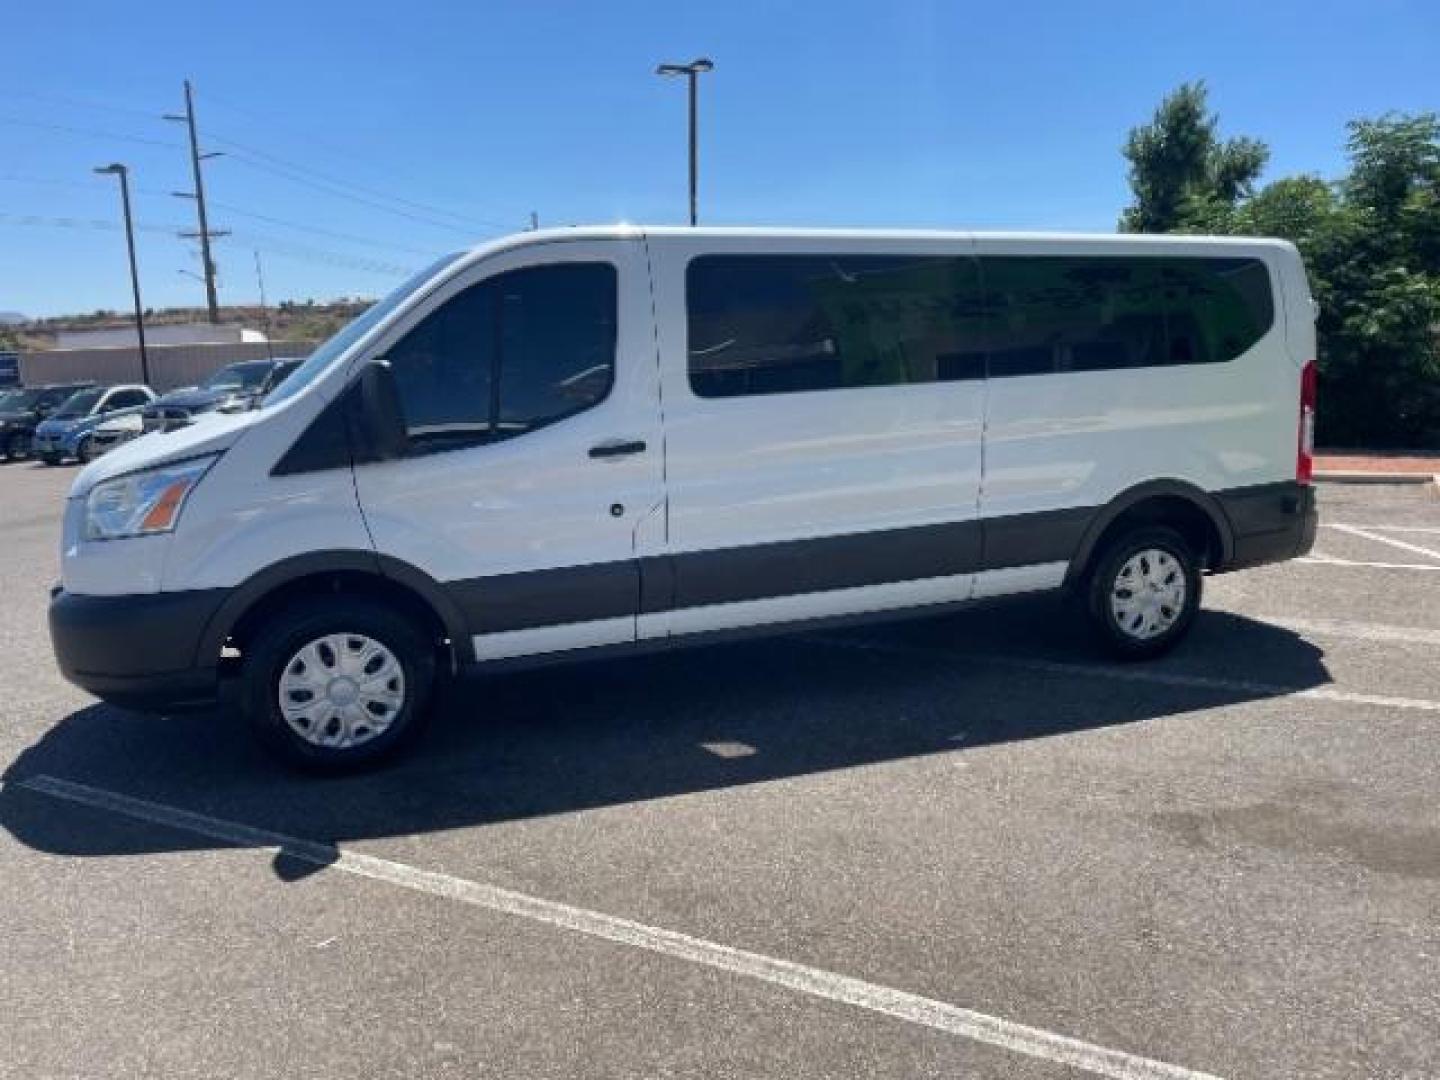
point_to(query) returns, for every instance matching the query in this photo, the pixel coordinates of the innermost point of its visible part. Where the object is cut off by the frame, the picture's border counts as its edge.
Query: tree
(1380, 266)
(1180, 169)
(1370, 241)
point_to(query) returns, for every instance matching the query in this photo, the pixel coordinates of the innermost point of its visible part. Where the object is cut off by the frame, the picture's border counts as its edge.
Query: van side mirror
(378, 431)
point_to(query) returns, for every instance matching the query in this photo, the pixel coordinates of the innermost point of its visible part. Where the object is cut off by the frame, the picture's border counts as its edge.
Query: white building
(175, 334)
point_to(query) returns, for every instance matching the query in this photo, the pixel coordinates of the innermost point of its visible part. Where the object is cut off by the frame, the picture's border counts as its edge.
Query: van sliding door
(823, 411)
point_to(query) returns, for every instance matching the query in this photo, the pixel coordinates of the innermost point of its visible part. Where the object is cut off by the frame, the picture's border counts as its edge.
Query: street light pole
(692, 72)
(116, 169)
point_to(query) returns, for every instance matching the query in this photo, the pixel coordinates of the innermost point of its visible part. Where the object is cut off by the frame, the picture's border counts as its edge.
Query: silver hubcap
(341, 690)
(1148, 594)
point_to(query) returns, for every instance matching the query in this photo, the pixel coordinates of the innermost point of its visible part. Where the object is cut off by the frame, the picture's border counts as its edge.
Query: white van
(571, 443)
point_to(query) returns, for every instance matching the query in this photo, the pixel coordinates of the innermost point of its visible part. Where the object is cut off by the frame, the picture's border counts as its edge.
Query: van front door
(529, 389)
(824, 405)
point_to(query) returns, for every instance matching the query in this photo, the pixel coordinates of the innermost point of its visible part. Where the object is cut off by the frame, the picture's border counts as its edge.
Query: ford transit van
(573, 443)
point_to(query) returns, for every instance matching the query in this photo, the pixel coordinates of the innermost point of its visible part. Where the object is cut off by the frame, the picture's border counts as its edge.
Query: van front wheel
(338, 686)
(1144, 592)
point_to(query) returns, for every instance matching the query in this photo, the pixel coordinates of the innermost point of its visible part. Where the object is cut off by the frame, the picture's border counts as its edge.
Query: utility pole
(534, 221)
(116, 169)
(204, 234)
(264, 308)
(692, 71)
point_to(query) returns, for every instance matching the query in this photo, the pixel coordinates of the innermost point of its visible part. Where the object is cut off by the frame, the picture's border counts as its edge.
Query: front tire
(337, 686)
(1144, 592)
(17, 448)
(83, 453)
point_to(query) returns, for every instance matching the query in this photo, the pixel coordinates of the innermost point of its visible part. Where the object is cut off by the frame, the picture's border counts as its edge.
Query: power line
(90, 132)
(285, 248)
(79, 223)
(334, 234)
(335, 149)
(268, 243)
(267, 162)
(83, 103)
(330, 189)
(424, 208)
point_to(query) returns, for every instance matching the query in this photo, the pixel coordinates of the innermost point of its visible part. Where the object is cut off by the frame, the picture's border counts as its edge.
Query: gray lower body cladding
(142, 650)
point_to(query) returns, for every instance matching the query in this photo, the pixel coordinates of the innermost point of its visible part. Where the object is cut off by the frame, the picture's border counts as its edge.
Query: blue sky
(843, 113)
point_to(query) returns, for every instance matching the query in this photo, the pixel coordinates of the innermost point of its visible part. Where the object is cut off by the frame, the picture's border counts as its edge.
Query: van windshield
(353, 331)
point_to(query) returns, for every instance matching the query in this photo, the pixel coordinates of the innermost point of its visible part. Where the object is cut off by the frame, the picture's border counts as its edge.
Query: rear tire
(50, 459)
(1144, 592)
(337, 686)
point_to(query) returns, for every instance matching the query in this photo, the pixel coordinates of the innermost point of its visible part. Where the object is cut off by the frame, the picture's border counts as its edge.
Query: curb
(1339, 476)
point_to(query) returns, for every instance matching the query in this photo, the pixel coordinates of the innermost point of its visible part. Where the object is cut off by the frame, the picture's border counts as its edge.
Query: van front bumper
(137, 651)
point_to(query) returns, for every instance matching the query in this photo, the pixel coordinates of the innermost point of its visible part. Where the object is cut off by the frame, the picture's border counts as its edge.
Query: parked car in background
(24, 409)
(66, 433)
(115, 430)
(234, 388)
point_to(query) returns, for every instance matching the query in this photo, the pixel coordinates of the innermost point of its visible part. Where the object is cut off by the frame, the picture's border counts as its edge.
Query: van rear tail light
(1305, 453)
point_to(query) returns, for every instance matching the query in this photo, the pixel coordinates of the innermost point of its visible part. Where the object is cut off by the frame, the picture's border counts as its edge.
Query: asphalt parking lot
(958, 847)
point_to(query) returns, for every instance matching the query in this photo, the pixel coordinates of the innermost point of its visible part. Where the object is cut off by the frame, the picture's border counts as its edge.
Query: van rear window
(1058, 314)
(766, 324)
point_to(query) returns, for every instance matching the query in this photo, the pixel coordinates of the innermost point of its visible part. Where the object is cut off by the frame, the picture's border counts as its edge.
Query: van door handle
(617, 448)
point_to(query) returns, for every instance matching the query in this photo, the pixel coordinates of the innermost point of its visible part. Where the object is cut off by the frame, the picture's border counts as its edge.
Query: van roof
(622, 231)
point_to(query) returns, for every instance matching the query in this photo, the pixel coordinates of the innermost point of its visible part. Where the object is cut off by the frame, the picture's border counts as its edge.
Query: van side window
(511, 354)
(775, 324)
(1052, 314)
(557, 342)
(443, 370)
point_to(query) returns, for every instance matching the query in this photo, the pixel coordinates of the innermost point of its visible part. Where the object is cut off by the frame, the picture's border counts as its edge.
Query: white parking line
(1144, 675)
(1400, 635)
(1327, 560)
(1434, 530)
(800, 978)
(1403, 545)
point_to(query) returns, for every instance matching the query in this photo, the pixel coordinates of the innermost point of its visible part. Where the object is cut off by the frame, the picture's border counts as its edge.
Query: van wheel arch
(1187, 509)
(349, 573)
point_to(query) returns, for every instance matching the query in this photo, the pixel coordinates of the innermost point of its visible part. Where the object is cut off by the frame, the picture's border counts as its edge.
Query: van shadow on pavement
(570, 738)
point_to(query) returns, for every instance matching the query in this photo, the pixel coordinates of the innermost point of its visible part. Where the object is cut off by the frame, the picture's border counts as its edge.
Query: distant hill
(310, 321)
(12, 318)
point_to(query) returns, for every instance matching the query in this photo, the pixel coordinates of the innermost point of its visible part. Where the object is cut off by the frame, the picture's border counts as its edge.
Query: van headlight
(142, 503)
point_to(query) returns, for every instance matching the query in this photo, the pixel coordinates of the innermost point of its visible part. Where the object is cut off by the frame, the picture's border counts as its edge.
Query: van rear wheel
(1144, 593)
(339, 686)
